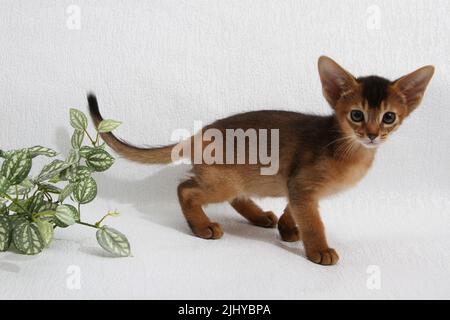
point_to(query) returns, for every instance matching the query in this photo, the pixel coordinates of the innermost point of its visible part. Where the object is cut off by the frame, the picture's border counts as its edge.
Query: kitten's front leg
(306, 213)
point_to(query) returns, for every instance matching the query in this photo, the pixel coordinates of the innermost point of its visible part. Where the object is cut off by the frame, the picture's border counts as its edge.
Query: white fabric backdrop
(161, 65)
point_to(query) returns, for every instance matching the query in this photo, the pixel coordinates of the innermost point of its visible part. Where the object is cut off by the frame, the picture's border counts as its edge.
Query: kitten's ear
(412, 86)
(336, 81)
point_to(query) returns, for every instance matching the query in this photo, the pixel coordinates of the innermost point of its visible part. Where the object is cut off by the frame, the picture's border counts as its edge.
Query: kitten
(318, 155)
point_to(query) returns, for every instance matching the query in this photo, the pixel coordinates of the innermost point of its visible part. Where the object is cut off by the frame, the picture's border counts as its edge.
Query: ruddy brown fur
(318, 156)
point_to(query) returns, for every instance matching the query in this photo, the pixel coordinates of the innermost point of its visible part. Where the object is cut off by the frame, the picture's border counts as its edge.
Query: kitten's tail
(142, 155)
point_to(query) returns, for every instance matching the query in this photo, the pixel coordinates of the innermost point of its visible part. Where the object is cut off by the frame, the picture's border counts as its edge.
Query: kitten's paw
(210, 231)
(326, 257)
(289, 234)
(267, 219)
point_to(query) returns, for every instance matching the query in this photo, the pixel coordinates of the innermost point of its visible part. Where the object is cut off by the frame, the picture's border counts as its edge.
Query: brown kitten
(318, 155)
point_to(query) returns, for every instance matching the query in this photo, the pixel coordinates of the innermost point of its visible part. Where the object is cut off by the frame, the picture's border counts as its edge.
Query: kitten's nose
(372, 136)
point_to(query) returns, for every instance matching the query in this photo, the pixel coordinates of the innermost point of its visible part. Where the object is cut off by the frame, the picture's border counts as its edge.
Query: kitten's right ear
(336, 81)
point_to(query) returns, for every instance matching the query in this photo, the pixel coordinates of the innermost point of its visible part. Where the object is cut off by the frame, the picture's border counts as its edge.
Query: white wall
(160, 65)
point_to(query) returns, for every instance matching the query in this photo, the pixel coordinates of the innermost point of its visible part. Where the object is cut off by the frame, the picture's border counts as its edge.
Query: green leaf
(68, 174)
(36, 203)
(82, 173)
(17, 167)
(3, 207)
(73, 157)
(78, 120)
(75, 212)
(22, 188)
(66, 191)
(47, 187)
(46, 230)
(108, 125)
(5, 233)
(48, 214)
(99, 160)
(64, 216)
(85, 150)
(55, 179)
(48, 206)
(17, 205)
(4, 185)
(26, 237)
(52, 169)
(41, 151)
(6, 154)
(77, 139)
(113, 241)
(85, 191)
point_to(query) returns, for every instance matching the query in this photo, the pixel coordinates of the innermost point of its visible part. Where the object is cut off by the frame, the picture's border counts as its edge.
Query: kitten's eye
(389, 117)
(357, 115)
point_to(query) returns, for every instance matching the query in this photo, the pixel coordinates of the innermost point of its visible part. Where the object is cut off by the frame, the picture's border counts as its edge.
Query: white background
(161, 65)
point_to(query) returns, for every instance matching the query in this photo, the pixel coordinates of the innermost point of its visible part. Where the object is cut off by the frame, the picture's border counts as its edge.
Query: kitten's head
(370, 108)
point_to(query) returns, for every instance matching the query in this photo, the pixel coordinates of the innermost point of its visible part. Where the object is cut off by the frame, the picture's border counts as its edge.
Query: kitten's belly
(267, 186)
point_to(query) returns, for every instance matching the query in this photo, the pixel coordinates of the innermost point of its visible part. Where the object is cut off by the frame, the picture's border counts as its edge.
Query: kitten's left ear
(411, 87)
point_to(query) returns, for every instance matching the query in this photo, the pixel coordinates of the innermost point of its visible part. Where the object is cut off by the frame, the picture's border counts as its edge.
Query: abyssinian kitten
(318, 155)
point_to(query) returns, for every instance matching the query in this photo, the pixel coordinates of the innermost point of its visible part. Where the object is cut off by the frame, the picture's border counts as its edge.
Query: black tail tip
(93, 105)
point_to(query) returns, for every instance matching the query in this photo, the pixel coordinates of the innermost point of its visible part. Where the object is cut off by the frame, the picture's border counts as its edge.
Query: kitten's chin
(369, 144)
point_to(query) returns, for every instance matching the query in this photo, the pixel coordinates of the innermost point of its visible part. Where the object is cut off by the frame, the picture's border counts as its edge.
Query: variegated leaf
(66, 191)
(77, 139)
(85, 191)
(99, 160)
(17, 167)
(46, 231)
(64, 216)
(82, 173)
(27, 238)
(4, 185)
(5, 233)
(52, 169)
(78, 119)
(19, 206)
(108, 125)
(113, 241)
(6, 154)
(48, 214)
(73, 157)
(41, 151)
(68, 174)
(47, 187)
(85, 150)
(22, 188)
(36, 202)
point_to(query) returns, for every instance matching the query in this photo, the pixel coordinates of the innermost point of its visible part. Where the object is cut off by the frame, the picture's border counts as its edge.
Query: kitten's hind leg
(192, 197)
(250, 210)
(288, 228)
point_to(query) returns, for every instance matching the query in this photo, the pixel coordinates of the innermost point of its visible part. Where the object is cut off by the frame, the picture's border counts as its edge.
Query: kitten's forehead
(374, 90)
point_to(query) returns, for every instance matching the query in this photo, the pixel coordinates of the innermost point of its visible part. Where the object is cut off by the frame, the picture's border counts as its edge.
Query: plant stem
(90, 138)
(87, 224)
(96, 138)
(17, 203)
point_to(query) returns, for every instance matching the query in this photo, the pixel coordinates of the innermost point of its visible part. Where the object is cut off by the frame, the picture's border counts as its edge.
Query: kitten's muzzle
(372, 136)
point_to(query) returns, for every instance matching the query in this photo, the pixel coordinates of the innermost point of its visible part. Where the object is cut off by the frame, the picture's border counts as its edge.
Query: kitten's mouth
(370, 144)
